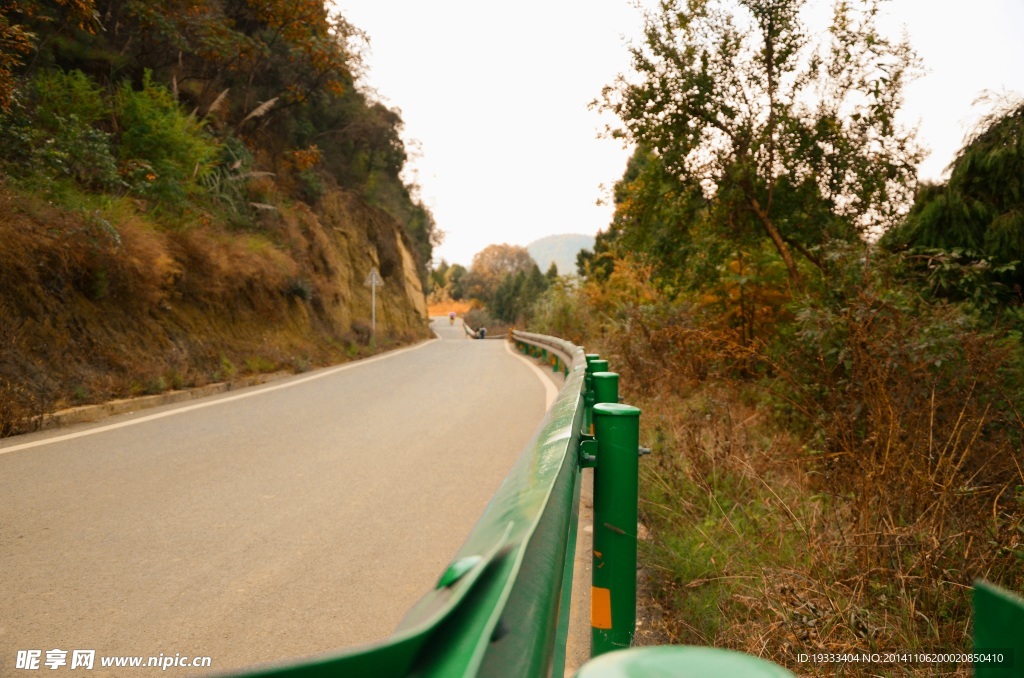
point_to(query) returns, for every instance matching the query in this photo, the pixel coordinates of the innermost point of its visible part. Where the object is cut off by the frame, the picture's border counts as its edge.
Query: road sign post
(374, 281)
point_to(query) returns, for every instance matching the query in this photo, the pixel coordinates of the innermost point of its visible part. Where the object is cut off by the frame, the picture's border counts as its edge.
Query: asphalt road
(280, 521)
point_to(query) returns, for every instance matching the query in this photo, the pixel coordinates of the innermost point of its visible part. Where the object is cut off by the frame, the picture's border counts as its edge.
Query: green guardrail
(501, 607)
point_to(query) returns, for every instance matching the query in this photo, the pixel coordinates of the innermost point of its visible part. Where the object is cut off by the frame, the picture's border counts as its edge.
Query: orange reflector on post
(600, 608)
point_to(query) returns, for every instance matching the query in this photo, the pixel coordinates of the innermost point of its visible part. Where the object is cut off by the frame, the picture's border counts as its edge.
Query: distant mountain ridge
(560, 249)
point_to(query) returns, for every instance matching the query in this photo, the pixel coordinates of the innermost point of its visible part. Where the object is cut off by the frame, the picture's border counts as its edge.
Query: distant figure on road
(451, 317)
(482, 333)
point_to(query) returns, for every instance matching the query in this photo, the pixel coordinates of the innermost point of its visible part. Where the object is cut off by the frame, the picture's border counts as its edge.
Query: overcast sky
(495, 100)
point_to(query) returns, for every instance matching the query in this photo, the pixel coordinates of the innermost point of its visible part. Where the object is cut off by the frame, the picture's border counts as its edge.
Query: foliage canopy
(969, 232)
(270, 85)
(491, 266)
(787, 140)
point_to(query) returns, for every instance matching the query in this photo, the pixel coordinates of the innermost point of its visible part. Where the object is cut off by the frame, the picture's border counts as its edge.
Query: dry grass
(746, 553)
(849, 508)
(101, 302)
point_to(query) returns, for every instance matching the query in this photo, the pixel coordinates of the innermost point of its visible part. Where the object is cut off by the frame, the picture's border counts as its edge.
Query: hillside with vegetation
(193, 190)
(827, 353)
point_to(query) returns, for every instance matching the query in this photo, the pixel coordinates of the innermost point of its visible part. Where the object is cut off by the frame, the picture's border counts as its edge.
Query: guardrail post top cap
(617, 410)
(592, 356)
(606, 375)
(674, 661)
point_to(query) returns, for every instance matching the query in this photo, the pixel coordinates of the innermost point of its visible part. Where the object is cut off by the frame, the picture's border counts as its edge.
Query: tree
(662, 222)
(969, 232)
(491, 265)
(598, 263)
(453, 281)
(517, 293)
(445, 281)
(795, 142)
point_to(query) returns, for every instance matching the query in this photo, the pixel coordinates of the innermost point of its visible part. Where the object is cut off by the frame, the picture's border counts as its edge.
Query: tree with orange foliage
(491, 265)
(20, 21)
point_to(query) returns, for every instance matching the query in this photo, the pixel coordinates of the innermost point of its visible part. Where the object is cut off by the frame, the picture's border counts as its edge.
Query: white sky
(494, 99)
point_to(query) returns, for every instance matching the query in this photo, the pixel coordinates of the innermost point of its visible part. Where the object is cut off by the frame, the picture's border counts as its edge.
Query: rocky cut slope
(106, 303)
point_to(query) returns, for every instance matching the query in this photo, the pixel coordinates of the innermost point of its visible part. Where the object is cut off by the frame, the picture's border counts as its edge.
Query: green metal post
(588, 394)
(998, 632)
(606, 387)
(613, 594)
(593, 367)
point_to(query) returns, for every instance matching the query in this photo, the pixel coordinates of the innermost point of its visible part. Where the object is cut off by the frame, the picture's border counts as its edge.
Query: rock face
(363, 239)
(94, 308)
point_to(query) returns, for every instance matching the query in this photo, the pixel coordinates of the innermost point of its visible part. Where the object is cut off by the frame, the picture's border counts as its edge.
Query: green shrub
(165, 151)
(58, 95)
(154, 386)
(259, 365)
(227, 370)
(52, 132)
(311, 186)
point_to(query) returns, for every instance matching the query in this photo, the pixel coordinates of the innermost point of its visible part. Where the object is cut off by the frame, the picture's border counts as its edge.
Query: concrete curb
(90, 413)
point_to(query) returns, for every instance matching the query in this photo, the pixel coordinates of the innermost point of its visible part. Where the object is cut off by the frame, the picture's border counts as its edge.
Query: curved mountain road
(275, 522)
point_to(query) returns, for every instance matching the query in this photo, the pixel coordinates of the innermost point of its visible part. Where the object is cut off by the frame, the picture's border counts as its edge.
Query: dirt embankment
(105, 303)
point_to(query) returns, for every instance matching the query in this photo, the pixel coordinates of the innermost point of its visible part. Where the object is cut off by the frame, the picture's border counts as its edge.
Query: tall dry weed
(912, 426)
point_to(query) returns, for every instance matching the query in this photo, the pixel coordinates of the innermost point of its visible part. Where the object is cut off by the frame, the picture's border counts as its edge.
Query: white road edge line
(220, 401)
(550, 390)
